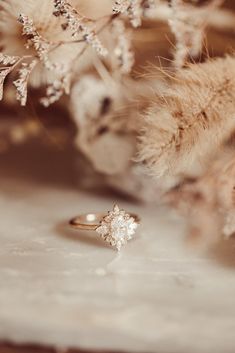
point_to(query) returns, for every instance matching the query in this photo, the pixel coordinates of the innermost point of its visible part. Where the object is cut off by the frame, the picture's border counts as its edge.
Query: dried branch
(7, 59)
(43, 48)
(34, 39)
(56, 89)
(21, 83)
(188, 24)
(123, 50)
(3, 74)
(9, 63)
(79, 25)
(134, 9)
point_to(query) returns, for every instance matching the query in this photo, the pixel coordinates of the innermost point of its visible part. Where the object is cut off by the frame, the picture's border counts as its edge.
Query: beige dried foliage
(209, 201)
(185, 127)
(134, 9)
(80, 26)
(188, 23)
(22, 82)
(124, 57)
(49, 28)
(49, 33)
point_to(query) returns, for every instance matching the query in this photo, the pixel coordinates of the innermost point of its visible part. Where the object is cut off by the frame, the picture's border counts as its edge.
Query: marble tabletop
(63, 288)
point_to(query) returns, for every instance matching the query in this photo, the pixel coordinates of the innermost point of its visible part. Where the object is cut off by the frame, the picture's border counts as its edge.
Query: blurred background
(84, 141)
(88, 138)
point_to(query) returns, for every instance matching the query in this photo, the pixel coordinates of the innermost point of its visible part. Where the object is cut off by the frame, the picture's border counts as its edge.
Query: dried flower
(7, 59)
(121, 6)
(135, 9)
(21, 83)
(8, 63)
(50, 31)
(135, 12)
(79, 25)
(3, 74)
(56, 89)
(123, 50)
(192, 119)
(210, 199)
(188, 24)
(34, 39)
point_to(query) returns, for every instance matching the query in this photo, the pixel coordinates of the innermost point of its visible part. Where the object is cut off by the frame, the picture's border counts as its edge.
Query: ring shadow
(86, 237)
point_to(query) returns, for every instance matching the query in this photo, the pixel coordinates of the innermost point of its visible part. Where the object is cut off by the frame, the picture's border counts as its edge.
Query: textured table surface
(67, 289)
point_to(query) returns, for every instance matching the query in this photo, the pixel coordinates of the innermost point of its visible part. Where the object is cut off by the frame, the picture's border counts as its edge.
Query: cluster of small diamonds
(117, 227)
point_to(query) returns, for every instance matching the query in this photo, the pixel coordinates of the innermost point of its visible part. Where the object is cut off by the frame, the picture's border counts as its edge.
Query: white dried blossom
(59, 84)
(123, 50)
(41, 45)
(188, 25)
(22, 82)
(79, 25)
(184, 31)
(92, 39)
(9, 63)
(3, 74)
(136, 12)
(53, 93)
(49, 27)
(121, 6)
(134, 9)
(8, 59)
(56, 90)
(74, 21)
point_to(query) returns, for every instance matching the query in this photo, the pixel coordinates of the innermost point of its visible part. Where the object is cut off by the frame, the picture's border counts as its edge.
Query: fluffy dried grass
(209, 201)
(186, 126)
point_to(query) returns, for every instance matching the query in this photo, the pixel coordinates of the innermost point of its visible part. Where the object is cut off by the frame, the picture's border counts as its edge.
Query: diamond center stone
(117, 227)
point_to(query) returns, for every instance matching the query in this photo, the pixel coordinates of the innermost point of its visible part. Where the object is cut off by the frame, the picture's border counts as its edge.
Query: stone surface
(66, 288)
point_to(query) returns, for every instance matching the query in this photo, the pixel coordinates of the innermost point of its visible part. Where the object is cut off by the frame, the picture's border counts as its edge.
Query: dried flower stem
(123, 50)
(41, 45)
(135, 9)
(11, 63)
(188, 24)
(22, 82)
(79, 25)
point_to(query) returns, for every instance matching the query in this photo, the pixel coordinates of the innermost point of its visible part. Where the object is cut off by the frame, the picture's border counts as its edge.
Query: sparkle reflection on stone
(117, 227)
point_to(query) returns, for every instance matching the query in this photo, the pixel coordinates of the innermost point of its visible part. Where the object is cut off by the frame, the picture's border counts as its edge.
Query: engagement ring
(116, 227)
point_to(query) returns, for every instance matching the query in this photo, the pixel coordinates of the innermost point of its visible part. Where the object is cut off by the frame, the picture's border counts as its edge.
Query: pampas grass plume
(186, 126)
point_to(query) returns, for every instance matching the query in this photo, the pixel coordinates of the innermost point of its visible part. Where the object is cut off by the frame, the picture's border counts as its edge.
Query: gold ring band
(90, 221)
